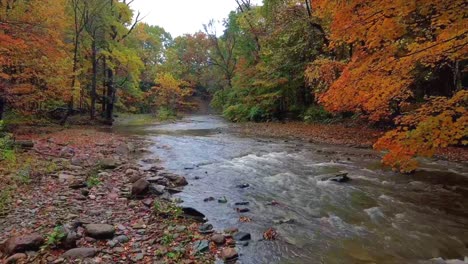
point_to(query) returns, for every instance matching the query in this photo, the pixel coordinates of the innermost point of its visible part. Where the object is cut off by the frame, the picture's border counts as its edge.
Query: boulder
(192, 213)
(140, 187)
(159, 180)
(100, 231)
(21, 244)
(229, 254)
(134, 178)
(80, 253)
(218, 239)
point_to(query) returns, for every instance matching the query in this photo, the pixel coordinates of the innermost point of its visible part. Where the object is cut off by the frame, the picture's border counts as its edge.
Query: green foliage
(317, 114)
(164, 209)
(165, 114)
(6, 195)
(167, 239)
(93, 181)
(54, 238)
(23, 176)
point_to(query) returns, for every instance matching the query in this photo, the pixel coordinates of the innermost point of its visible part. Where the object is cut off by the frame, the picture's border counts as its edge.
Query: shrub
(317, 114)
(165, 113)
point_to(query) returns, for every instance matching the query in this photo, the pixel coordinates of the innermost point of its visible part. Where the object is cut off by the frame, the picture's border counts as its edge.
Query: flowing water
(377, 217)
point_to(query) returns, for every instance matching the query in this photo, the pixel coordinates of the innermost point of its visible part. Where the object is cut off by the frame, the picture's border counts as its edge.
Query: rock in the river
(243, 186)
(229, 254)
(209, 199)
(100, 231)
(177, 180)
(206, 229)
(218, 239)
(80, 253)
(241, 203)
(242, 210)
(341, 178)
(157, 189)
(201, 246)
(242, 236)
(108, 164)
(140, 187)
(190, 212)
(22, 244)
(16, 258)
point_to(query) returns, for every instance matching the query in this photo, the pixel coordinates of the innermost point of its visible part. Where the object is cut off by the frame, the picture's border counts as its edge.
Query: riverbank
(80, 193)
(347, 134)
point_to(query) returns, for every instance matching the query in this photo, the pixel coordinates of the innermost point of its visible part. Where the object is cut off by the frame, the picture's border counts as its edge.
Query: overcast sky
(184, 16)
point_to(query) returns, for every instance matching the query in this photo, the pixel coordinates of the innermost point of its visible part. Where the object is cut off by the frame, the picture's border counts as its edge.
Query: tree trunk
(110, 96)
(2, 107)
(92, 111)
(104, 98)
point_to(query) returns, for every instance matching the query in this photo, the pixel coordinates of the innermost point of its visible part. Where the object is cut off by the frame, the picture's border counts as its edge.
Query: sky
(184, 16)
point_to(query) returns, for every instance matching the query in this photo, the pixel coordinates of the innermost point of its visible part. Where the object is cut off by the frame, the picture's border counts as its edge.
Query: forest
(387, 80)
(400, 65)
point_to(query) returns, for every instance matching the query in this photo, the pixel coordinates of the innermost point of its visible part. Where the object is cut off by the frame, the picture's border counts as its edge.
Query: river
(377, 217)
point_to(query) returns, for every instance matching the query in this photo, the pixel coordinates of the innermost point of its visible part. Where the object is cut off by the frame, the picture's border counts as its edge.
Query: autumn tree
(34, 60)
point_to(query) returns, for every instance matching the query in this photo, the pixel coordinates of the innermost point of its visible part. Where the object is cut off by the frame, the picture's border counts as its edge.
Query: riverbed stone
(218, 239)
(201, 246)
(229, 254)
(140, 187)
(242, 236)
(16, 258)
(206, 229)
(108, 163)
(23, 243)
(193, 213)
(100, 231)
(80, 253)
(157, 189)
(177, 180)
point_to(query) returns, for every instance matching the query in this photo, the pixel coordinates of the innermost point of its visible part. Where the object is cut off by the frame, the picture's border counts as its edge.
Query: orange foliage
(439, 123)
(389, 43)
(34, 64)
(389, 39)
(170, 93)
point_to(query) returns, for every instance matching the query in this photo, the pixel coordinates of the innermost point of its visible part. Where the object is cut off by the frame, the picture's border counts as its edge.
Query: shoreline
(91, 180)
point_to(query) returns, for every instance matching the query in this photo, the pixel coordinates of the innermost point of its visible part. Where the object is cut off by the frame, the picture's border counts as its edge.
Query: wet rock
(177, 180)
(341, 178)
(21, 244)
(140, 187)
(283, 221)
(229, 254)
(192, 213)
(100, 231)
(209, 199)
(242, 236)
(206, 229)
(80, 253)
(222, 200)
(201, 246)
(218, 239)
(243, 186)
(157, 189)
(108, 164)
(16, 258)
(242, 210)
(241, 203)
(174, 190)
